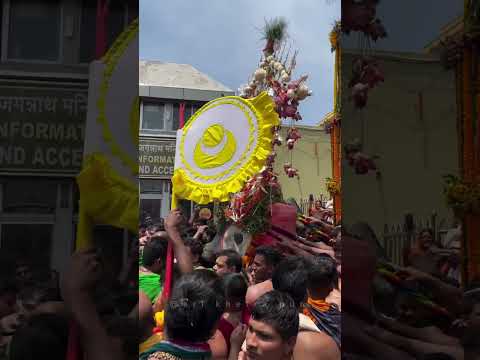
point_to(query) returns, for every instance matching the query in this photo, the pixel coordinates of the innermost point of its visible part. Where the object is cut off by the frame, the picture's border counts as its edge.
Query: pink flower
(360, 95)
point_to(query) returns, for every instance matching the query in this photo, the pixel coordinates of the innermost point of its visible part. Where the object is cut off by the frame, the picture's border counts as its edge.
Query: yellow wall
(313, 168)
(414, 156)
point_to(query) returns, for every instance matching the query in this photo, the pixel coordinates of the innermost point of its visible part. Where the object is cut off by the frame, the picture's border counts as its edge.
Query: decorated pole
(167, 286)
(336, 129)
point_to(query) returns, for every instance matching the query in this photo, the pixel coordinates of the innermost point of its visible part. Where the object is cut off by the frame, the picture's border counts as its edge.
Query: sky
(223, 40)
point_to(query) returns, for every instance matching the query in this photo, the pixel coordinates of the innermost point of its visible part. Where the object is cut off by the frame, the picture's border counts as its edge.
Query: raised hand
(174, 220)
(82, 274)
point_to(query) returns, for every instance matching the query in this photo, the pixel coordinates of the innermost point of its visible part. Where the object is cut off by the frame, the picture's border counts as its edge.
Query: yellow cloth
(319, 305)
(152, 340)
(159, 319)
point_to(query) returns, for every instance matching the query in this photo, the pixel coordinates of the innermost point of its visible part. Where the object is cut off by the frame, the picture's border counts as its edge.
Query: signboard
(41, 130)
(156, 158)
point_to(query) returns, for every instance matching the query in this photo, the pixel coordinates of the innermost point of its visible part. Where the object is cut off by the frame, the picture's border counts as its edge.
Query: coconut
(278, 66)
(285, 78)
(291, 93)
(260, 74)
(269, 58)
(302, 92)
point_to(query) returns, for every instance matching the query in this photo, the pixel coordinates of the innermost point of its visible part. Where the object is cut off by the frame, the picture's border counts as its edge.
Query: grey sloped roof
(156, 73)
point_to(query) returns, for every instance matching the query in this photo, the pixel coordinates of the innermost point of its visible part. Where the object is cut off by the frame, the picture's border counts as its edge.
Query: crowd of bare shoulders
(282, 303)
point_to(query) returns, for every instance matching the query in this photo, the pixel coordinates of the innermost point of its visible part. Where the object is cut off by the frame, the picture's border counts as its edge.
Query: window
(160, 116)
(150, 186)
(29, 195)
(117, 15)
(190, 110)
(43, 43)
(151, 207)
(154, 197)
(165, 116)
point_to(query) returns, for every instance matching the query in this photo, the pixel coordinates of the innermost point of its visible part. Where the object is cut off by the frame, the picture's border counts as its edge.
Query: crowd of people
(414, 310)
(89, 308)
(282, 303)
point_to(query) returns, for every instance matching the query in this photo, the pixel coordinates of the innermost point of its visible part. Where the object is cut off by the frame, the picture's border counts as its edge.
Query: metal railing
(398, 237)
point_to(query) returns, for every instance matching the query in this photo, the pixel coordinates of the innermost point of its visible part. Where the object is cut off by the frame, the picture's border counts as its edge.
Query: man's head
(273, 327)
(199, 222)
(155, 252)
(290, 277)
(155, 227)
(228, 261)
(195, 307)
(266, 258)
(196, 249)
(235, 291)
(23, 273)
(322, 276)
(425, 239)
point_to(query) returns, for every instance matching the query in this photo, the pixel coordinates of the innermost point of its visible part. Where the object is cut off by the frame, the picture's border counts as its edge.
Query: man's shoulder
(257, 290)
(316, 345)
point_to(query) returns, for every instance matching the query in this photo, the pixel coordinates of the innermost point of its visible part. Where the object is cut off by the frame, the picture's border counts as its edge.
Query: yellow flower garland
(333, 187)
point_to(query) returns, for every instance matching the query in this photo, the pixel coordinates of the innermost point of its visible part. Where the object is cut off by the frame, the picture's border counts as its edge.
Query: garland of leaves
(259, 221)
(250, 208)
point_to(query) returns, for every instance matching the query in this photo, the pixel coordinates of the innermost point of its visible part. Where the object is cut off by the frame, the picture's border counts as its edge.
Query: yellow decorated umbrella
(108, 181)
(225, 143)
(222, 146)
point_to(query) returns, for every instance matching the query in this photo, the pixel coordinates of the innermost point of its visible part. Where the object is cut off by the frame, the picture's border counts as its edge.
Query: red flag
(167, 287)
(74, 348)
(181, 115)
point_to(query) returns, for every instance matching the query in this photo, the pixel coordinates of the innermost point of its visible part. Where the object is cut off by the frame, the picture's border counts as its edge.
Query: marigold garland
(462, 196)
(332, 186)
